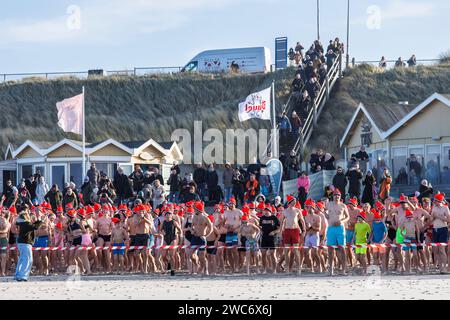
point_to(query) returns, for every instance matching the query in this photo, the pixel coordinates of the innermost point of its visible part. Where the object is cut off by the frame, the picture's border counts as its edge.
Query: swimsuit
(3, 243)
(311, 240)
(119, 252)
(231, 239)
(41, 242)
(223, 238)
(169, 232)
(188, 234)
(86, 240)
(106, 238)
(243, 242)
(198, 241)
(251, 245)
(212, 251)
(335, 236)
(440, 235)
(141, 240)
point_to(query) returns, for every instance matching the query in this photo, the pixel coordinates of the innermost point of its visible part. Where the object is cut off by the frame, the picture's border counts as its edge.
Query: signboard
(281, 53)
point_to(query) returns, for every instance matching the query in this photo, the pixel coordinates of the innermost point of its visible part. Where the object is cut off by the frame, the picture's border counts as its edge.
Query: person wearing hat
(353, 213)
(337, 215)
(362, 232)
(201, 228)
(292, 224)
(378, 236)
(212, 241)
(410, 232)
(25, 242)
(270, 226)
(441, 218)
(119, 236)
(313, 223)
(248, 234)
(5, 226)
(42, 240)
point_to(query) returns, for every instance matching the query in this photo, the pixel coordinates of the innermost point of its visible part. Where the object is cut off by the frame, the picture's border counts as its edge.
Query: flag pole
(83, 163)
(274, 125)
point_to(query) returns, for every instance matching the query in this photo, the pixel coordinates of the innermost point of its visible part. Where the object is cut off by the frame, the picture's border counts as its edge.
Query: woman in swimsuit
(187, 231)
(219, 224)
(169, 230)
(86, 241)
(390, 222)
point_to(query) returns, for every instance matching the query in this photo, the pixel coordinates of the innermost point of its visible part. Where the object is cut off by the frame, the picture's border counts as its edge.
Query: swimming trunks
(231, 239)
(440, 235)
(76, 241)
(242, 246)
(291, 236)
(251, 245)
(268, 242)
(86, 240)
(335, 236)
(212, 251)
(349, 236)
(198, 241)
(3, 244)
(311, 240)
(106, 238)
(41, 242)
(141, 240)
(119, 252)
(223, 238)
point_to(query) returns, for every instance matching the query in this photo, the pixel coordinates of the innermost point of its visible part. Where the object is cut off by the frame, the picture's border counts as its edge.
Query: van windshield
(192, 66)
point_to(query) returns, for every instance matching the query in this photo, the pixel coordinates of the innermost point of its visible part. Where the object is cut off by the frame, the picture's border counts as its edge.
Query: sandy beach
(233, 287)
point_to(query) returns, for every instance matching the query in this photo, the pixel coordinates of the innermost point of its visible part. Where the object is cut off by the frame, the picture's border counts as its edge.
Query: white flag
(70, 114)
(257, 105)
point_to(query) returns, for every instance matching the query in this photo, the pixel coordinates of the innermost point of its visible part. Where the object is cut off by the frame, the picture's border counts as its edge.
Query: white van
(244, 60)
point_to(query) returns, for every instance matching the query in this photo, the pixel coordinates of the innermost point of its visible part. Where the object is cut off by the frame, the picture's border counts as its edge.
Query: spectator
(291, 55)
(228, 181)
(158, 176)
(313, 87)
(106, 195)
(10, 194)
(285, 128)
(190, 195)
(212, 183)
(302, 107)
(93, 175)
(137, 178)
(176, 167)
(354, 177)
(200, 179)
(54, 197)
(331, 57)
(238, 186)
(297, 85)
(186, 184)
(158, 193)
(415, 166)
(149, 178)
(399, 63)
(254, 168)
(362, 156)
(252, 189)
(353, 161)
(24, 195)
(385, 185)
(175, 183)
(402, 177)
(369, 193)
(340, 182)
(70, 198)
(303, 184)
(383, 63)
(316, 161)
(293, 165)
(31, 185)
(296, 124)
(299, 48)
(412, 61)
(123, 186)
(87, 192)
(42, 189)
(425, 190)
(328, 162)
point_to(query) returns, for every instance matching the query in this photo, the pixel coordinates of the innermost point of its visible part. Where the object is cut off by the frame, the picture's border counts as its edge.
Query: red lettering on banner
(251, 107)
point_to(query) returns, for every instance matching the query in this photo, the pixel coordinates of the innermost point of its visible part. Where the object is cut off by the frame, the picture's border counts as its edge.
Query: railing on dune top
(317, 105)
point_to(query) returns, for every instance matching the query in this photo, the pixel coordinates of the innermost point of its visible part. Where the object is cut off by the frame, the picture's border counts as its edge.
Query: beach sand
(230, 287)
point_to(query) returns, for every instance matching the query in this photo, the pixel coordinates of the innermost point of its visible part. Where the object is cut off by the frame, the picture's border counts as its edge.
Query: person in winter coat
(93, 175)
(87, 192)
(340, 182)
(158, 193)
(186, 184)
(369, 184)
(54, 197)
(70, 198)
(228, 181)
(200, 179)
(212, 182)
(385, 185)
(425, 190)
(303, 184)
(137, 177)
(354, 177)
(122, 185)
(24, 195)
(252, 189)
(175, 184)
(238, 186)
(41, 190)
(328, 162)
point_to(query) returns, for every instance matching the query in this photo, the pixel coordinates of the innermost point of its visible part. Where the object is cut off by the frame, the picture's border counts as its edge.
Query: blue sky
(46, 35)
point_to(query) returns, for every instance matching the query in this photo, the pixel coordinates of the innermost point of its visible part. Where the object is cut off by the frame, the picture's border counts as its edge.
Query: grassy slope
(132, 108)
(369, 84)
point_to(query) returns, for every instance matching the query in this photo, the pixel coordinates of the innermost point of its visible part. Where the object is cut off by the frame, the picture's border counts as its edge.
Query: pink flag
(70, 114)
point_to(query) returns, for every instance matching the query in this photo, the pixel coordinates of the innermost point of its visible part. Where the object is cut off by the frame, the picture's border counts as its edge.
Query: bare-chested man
(119, 235)
(144, 226)
(131, 228)
(5, 226)
(337, 216)
(421, 216)
(249, 231)
(219, 224)
(312, 223)
(353, 212)
(42, 240)
(201, 228)
(291, 218)
(441, 217)
(232, 223)
(212, 240)
(410, 229)
(104, 228)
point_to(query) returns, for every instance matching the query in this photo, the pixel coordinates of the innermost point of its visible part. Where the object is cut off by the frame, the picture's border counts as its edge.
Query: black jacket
(174, 182)
(340, 182)
(26, 231)
(353, 179)
(123, 186)
(212, 179)
(199, 176)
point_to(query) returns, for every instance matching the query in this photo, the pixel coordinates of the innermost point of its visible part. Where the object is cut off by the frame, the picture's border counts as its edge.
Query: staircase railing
(310, 123)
